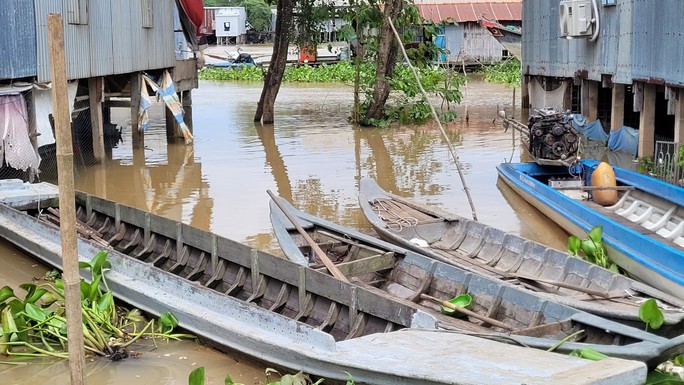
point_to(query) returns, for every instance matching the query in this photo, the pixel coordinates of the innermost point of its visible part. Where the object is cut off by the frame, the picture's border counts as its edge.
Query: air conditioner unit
(577, 19)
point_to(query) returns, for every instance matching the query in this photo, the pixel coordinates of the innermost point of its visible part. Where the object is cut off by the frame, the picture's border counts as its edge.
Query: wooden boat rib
(497, 307)
(642, 231)
(241, 299)
(491, 252)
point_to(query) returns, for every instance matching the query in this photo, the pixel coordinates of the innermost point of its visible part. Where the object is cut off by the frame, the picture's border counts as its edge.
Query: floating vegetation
(592, 248)
(34, 324)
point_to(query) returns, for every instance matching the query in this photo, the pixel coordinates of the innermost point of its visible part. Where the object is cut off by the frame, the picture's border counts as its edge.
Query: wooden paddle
(470, 313)
(317, 250)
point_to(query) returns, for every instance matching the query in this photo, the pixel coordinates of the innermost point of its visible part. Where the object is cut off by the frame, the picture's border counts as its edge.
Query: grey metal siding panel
(113, 41)
(101, 38)
(636, 42)
(123, 37)
(161, 49)
(658, 48)
(18, 40)
(42, 9)
(480, 45)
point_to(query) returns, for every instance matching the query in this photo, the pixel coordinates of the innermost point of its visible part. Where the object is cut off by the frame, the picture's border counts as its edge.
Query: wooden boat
(510, 37)
(485, 250)
(286, 315)
(497, 307)
(643, 231)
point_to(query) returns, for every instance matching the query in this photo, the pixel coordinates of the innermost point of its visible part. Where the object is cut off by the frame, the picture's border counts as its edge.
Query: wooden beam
(95, 90)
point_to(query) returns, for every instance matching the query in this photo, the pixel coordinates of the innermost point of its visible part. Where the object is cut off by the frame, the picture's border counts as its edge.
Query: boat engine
(551, 136)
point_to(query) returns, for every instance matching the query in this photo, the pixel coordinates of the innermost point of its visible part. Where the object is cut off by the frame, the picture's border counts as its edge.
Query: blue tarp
(590, 130)
(624, 139)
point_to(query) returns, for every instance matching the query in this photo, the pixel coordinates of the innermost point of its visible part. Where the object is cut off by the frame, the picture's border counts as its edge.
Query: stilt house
(108, 45)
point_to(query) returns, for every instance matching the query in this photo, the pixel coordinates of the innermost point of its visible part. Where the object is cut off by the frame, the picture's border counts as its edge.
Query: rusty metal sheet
(461, 12)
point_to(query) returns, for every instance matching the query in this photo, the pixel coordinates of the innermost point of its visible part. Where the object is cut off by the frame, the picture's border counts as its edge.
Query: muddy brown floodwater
(312, 157)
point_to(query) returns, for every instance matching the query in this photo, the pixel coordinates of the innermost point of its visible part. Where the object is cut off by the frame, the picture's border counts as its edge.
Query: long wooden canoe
(286, 315)
(497, 307)
(643, 231)
(486, 250)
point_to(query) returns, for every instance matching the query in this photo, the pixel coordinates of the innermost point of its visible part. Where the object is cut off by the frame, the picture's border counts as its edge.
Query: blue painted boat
(643, 232)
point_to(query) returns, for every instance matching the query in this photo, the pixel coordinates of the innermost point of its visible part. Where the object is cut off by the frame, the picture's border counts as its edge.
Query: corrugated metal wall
(472, 43)
(638, 40)
(113, 41)
(18, 40)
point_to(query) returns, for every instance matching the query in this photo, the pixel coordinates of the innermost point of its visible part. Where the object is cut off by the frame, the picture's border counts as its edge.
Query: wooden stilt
(617, 110)
(137, 134)
(647, 122)
(96, 121)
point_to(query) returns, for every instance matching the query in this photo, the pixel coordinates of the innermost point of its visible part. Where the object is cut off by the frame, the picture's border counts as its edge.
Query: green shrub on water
(504, 72)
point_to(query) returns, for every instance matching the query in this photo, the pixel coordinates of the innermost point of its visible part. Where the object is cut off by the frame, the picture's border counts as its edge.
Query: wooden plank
(367, 265)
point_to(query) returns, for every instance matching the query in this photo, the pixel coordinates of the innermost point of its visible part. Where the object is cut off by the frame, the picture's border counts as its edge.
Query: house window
(147, 20)
(77, 11)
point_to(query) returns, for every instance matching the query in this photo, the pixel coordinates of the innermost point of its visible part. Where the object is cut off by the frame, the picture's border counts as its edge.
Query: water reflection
(312, 157)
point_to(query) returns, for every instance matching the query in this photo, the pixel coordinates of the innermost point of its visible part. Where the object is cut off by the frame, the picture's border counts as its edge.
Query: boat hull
(629, 249)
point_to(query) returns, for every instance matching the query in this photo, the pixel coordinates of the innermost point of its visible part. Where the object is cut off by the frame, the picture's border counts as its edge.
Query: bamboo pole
(319, 253)
(436, 117)
(65, 170)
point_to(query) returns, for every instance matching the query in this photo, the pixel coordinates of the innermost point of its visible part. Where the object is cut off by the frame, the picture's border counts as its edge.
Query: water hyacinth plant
(34, 324)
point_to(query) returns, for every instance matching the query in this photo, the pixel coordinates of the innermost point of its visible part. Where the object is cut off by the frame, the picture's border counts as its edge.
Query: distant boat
(509, 36)
(497, 309)
(488, 251)
(643, 231)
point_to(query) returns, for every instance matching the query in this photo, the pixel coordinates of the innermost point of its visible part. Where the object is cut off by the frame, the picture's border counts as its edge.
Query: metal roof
(465, 11)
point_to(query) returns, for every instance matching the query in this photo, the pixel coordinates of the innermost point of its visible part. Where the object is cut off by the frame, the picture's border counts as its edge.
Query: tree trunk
(276, 69)
(387, 57)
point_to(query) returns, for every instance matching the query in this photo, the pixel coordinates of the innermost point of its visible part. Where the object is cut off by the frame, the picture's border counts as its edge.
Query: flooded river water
(312, 157)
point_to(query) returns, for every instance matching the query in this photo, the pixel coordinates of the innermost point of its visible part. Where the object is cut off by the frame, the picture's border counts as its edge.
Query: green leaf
(574, 244)
(34, 312)
(196, 376)
(36, 295)
(5, 293)
(100, 262)
(658, 378)
(650, 313)
(168, 321)
(596, 234)
(589, 354)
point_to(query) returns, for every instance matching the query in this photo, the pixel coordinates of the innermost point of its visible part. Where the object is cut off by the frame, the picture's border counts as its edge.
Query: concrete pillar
(138, 139)
(647, 122)
(95, 91)
(589, 102)
(679, 117)
(617, 110)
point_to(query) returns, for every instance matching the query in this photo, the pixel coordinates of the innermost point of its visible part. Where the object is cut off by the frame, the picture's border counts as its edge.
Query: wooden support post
(95, 91)
(67, 206)
(590, 99)
(617, 110)
(171, 130)
(186, 100)
(138, 137)
(524, 99)
(647, 122)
